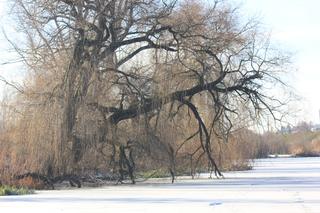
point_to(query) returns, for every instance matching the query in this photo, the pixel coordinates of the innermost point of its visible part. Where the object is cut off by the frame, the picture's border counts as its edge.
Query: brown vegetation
(301, 143)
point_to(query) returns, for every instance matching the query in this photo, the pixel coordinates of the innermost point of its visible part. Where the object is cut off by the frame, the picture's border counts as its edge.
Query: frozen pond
(280, 185)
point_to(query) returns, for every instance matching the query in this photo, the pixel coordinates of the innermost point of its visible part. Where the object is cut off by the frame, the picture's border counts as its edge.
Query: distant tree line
(298, 140)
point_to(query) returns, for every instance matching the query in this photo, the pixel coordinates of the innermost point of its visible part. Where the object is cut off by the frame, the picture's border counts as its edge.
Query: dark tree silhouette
(136, 59)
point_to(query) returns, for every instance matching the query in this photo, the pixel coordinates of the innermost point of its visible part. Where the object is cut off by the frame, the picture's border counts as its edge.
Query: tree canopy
(121, 83)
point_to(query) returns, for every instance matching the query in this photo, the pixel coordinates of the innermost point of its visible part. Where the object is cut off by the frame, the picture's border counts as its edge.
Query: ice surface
(284, 185)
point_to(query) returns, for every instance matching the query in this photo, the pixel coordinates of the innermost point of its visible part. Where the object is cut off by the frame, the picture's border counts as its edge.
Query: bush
(8, 190)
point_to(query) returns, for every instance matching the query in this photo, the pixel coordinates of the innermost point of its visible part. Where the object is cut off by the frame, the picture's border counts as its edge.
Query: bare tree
(147, 62)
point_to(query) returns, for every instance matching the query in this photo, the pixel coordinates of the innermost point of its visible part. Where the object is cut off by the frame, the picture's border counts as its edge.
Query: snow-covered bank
(280, 156)
(277, 185)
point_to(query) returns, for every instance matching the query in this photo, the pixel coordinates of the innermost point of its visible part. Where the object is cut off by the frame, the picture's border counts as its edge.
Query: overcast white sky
(295, 24)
